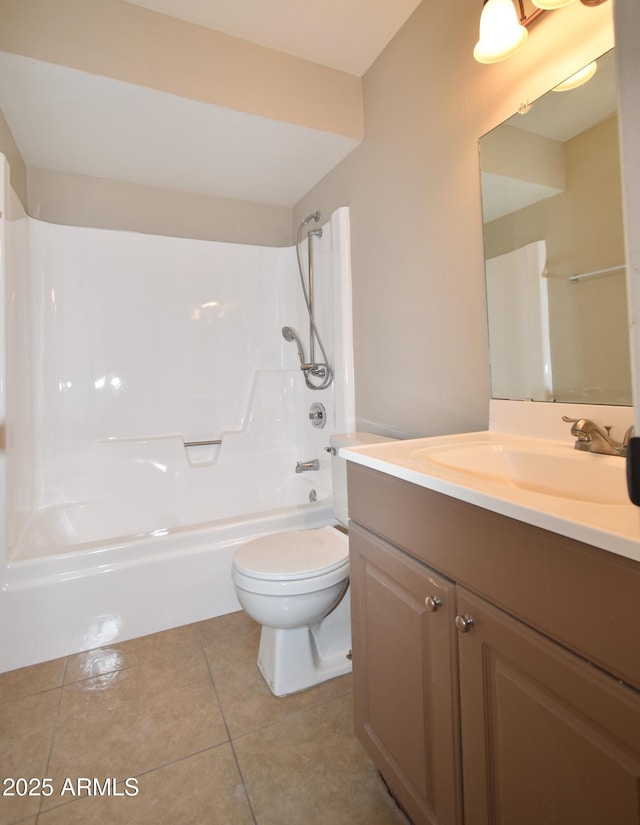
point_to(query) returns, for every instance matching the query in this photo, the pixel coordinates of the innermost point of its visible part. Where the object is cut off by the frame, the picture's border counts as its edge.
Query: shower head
(315, 216)
(289, 334)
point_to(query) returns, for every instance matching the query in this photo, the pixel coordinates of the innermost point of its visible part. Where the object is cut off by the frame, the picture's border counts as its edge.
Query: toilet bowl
(296, 585)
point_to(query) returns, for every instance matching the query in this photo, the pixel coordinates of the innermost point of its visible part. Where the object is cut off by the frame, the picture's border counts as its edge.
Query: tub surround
(127, 351)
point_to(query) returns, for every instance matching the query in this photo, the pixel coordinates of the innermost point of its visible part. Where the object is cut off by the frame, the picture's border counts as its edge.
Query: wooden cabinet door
(405, 677)
(546, 737)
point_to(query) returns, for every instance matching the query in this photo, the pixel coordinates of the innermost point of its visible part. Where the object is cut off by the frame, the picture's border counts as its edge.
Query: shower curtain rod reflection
(574, 278)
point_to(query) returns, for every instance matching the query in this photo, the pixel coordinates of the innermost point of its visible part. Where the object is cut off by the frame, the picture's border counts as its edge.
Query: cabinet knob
(432, 603)
(464, 623)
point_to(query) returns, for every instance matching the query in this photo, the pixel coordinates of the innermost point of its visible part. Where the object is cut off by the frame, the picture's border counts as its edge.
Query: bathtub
(60, 596)
(155, 415)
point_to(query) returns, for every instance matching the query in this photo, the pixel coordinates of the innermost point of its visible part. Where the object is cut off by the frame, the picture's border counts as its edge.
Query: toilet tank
(339, 467)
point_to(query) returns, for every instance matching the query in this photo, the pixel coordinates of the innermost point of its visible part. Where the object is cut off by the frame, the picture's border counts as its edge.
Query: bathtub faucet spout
(305, 466)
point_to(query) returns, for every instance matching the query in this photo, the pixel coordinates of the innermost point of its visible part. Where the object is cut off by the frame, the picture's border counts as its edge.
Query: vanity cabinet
(496, 665)
(405, 676)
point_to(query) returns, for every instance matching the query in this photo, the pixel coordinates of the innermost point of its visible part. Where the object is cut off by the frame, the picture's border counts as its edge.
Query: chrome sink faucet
(594, 437)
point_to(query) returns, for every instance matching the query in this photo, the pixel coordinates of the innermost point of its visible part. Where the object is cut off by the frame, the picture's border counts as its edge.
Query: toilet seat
(300, 554)
(297, 562)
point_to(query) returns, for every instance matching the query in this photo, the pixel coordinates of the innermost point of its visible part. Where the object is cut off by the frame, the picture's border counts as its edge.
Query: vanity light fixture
(502, 34)
(504, 29)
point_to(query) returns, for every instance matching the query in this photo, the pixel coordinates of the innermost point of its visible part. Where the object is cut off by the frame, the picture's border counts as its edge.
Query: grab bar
(202, 443)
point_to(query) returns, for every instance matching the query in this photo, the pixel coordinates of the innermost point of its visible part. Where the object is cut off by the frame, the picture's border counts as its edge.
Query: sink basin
(554, 470)
(539, 481)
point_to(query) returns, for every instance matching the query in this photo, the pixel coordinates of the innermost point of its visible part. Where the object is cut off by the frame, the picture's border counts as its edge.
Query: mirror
(554, 248)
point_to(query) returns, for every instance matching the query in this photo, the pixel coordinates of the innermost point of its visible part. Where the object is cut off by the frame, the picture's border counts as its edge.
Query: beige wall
(413, 187)
(521, 155)
(84, 201)
(18, 169)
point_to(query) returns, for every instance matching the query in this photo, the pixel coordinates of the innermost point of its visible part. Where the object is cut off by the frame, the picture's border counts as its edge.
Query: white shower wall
(125, 346)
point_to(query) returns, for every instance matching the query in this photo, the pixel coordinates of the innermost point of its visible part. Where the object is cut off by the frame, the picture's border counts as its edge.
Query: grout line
(19, 696)
(63, 685)
(136, 776)
(292, 714)
(226, 726)
(198, 649)
(54, 728)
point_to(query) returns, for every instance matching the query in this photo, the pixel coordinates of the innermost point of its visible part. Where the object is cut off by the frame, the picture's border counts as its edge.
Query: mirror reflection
(554, 248)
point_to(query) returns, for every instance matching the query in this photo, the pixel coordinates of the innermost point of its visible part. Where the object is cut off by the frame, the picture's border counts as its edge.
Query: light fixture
(577, 79)
(501, 33)
(503, 29)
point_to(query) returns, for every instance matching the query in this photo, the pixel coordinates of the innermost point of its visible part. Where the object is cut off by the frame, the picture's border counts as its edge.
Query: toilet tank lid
(357, 438)
(300, 554)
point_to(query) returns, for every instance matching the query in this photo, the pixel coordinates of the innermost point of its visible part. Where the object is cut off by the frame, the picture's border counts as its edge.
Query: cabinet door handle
(432, 603)
(464, 623)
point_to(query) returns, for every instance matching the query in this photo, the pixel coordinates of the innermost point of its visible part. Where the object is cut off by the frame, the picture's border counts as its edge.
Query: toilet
(296, 585)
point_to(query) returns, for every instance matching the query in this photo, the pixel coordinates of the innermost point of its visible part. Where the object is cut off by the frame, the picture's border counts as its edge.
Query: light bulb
(501, 34)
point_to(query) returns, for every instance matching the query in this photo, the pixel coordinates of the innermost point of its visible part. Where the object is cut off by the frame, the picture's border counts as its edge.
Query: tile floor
(187, 714)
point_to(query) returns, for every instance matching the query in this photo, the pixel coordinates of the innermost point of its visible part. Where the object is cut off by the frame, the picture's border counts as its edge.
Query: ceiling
(69, 121)
(66, 120)
(343, 34)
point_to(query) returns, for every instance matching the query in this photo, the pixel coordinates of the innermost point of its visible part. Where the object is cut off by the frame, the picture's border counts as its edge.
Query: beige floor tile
(205, 788)
(29, 680)
(102, 660)
(232, 624)
(148, 708)
(26, 729)
(310, 768)
(129, 721)
(246, 701)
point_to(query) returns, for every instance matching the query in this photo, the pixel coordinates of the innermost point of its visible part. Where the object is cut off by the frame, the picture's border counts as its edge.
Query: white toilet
(296, 585)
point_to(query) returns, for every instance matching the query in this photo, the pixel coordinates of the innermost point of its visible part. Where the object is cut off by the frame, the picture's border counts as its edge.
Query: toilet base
(295, 659)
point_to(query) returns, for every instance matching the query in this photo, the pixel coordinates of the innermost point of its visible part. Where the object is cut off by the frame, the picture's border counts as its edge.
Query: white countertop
(614, 527)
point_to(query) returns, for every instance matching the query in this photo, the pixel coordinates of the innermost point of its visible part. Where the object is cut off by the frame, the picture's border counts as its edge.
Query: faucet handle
(587, 421)
(578, 431)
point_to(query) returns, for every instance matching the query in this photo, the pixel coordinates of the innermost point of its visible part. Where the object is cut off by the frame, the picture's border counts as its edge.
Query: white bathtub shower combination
(124, 352)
